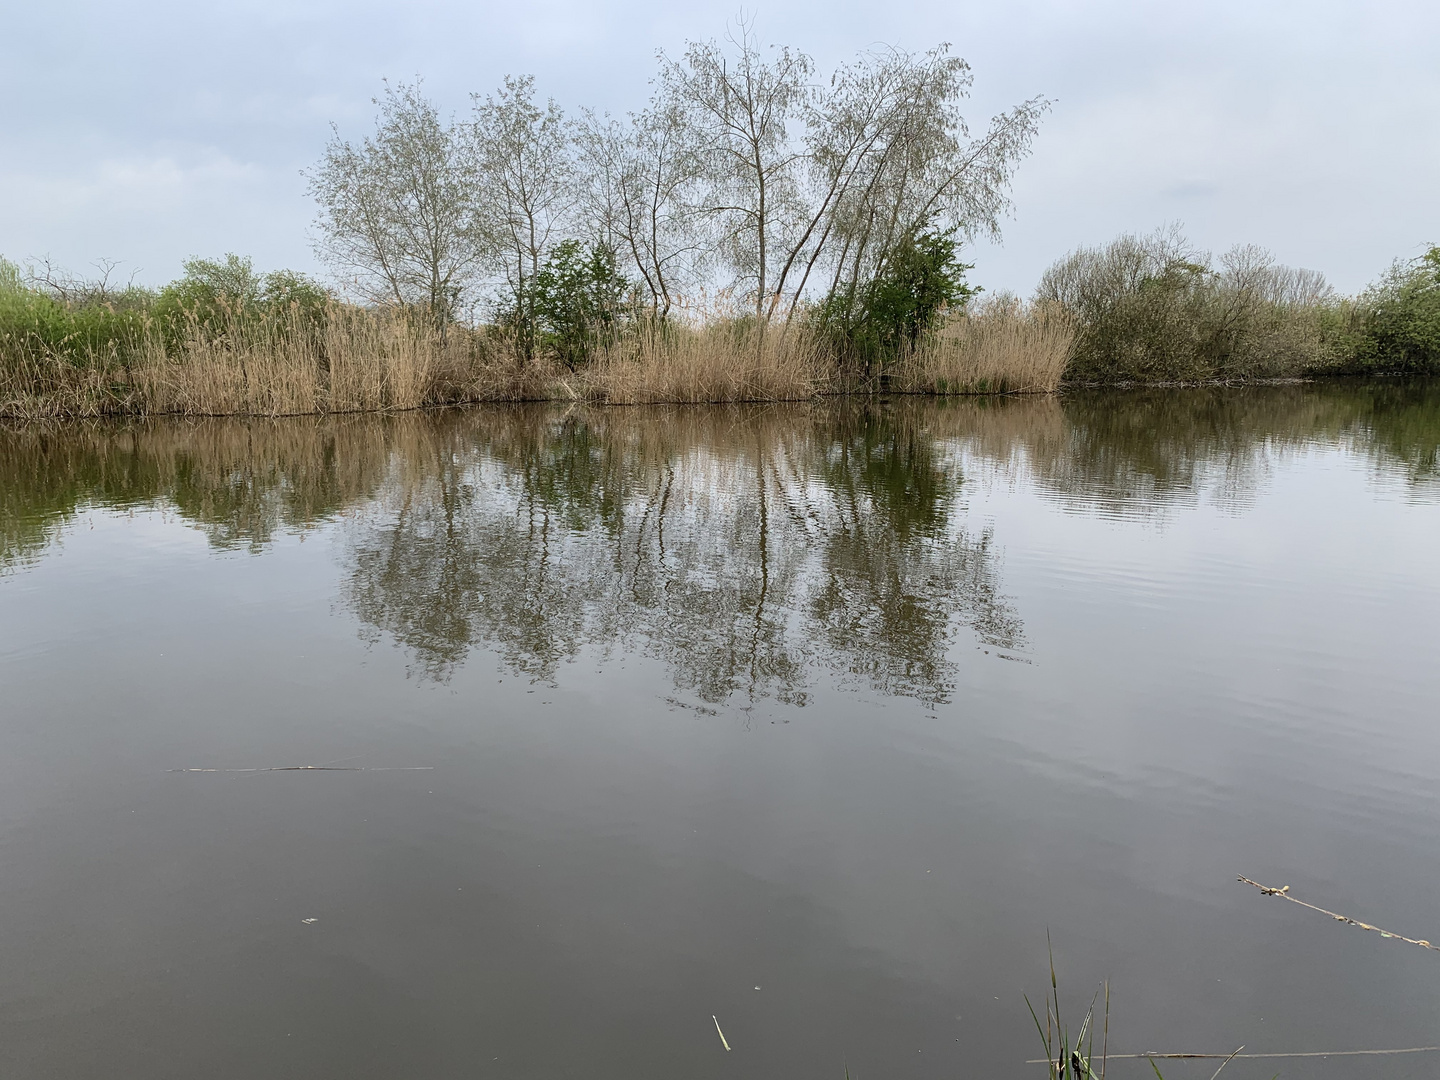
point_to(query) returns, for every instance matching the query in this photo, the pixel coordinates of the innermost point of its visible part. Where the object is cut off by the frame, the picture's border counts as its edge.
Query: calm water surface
(814, 719)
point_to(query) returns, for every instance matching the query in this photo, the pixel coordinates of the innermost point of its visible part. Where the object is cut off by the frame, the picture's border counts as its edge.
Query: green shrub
(578, 300)
(9, 277)
(211, 289)
(91, 323)
(876, 322)
(214, 296)
(286, 290)
(35, 325)
(1401, 319)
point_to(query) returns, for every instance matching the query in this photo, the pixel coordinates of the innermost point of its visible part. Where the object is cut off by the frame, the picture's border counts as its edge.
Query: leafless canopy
(525, 170)
(801, 180)
(746, 172)
(642, 174)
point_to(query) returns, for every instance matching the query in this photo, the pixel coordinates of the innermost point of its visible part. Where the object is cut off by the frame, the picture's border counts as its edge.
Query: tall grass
(720, 361)
(351, 359)
(1003, 346)
(1071, 1056)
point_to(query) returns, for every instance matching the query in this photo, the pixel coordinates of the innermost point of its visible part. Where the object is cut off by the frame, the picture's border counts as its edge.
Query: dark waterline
(850, 704)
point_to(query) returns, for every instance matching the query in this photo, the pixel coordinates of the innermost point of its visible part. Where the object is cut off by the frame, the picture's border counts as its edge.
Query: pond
(812, 719)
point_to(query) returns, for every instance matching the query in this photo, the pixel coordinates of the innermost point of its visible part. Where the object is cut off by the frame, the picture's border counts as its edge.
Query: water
(815, 719)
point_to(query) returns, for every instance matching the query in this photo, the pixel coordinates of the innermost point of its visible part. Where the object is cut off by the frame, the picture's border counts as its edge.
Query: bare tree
(398, 212)
(797, 188)
(740, 112)
(891, 155)
(802, 177)
(76, 291)
(642, 176)
(526, 181)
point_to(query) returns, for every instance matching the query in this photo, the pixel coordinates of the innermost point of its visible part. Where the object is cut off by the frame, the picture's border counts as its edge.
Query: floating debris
(1152, 1055)
(1284, 893)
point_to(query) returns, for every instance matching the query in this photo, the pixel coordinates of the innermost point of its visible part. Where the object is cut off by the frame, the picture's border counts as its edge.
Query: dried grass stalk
(716, 362)
(1004, 346)
(359, 360)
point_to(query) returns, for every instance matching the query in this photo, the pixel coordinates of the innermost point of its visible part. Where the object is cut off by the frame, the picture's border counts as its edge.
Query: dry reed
(1004, 346)
(357, 360)
(716, 362)
(1284, 893)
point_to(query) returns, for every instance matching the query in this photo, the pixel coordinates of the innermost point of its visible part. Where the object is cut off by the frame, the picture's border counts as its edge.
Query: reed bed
(359, 360)
(715, 362)
(1004, 346)
(352, 361)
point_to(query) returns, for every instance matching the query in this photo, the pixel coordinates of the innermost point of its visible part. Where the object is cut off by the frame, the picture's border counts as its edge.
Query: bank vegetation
(759, 231)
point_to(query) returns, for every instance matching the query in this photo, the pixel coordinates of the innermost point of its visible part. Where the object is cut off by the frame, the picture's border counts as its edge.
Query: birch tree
(740, 110)
(744, 162)
(891, 156)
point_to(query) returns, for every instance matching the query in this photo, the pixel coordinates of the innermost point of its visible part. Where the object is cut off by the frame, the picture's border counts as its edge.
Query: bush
(10, 280)
(1401, 319)
(54, 317)
(879, 322)
(214, 295)
(34, 324)
(1155, 308)
(578, 302)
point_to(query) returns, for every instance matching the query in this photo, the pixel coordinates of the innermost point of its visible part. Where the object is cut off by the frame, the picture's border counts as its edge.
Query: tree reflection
(750, 550)
(1154, 445)
(239, 481)
(743, 549)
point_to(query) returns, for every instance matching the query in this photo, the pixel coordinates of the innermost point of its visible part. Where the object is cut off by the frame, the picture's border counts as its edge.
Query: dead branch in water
(1284, 893)
(1298, 1054)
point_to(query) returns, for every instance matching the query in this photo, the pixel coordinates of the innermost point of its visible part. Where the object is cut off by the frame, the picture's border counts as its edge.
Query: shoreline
(62, 415)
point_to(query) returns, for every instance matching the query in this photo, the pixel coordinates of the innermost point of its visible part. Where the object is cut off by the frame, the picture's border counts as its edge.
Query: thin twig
(1284, 893)
(1227, 1057)
(1227, 1061)
(321, 768)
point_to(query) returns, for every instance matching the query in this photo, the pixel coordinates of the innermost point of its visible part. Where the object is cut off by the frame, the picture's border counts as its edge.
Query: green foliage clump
(577, 301)
(92, 324)
(1401, 319)
(215, 295)
(35, 323)
(919, 280)
(10, 281)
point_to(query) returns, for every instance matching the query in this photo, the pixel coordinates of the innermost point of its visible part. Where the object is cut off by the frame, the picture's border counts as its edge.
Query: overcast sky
(149, 131)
